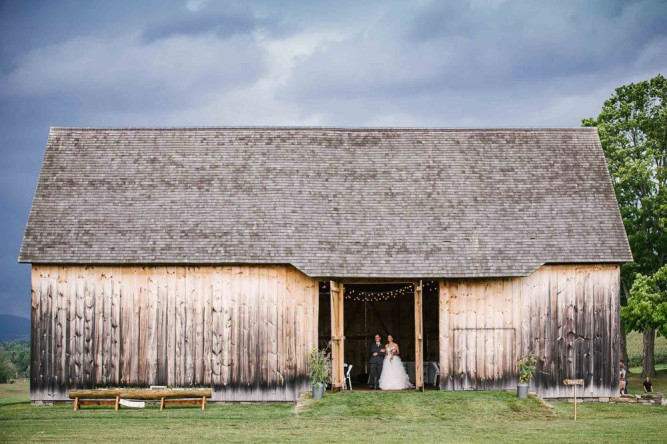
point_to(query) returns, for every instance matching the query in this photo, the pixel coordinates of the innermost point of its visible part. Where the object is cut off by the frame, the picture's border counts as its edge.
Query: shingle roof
(334, 202)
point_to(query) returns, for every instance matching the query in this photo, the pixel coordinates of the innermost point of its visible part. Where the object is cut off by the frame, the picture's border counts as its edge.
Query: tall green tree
(633, 130)
(646, 311)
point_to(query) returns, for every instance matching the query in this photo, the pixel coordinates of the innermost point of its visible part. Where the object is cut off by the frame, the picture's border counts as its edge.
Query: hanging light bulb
(375, 296)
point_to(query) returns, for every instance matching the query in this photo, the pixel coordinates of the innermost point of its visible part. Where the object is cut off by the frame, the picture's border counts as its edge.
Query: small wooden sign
(573, 381)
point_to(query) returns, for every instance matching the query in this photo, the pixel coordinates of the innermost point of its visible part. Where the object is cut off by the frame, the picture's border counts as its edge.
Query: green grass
(18, 392)
(342, 417)
(635, 380)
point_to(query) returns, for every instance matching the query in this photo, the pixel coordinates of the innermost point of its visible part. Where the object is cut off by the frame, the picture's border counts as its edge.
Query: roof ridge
(334, 128)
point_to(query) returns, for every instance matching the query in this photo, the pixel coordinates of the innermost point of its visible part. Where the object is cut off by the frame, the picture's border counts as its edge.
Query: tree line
(14, 360)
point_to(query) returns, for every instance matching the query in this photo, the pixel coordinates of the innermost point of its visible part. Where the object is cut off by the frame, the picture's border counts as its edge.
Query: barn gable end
(192, 256)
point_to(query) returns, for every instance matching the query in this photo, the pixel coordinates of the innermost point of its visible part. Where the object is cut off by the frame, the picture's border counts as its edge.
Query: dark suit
(376, 364)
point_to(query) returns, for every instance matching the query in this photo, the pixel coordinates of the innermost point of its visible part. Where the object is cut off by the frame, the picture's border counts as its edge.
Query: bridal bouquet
(392, 353)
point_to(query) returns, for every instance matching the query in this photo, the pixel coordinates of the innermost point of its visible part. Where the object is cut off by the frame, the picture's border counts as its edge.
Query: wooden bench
(113, 396)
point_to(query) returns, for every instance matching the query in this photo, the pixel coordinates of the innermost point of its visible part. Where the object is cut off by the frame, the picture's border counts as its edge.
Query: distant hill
(13, 327)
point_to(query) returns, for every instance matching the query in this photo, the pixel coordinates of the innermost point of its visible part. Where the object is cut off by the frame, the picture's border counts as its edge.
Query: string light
(375, 296)
(379, 296)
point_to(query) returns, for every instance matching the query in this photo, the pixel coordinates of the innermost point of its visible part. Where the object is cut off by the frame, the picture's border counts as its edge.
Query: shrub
(526, 368)
(635, 360)
(319, 366)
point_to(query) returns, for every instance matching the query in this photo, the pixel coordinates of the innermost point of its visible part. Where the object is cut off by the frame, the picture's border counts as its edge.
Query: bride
(394, 376)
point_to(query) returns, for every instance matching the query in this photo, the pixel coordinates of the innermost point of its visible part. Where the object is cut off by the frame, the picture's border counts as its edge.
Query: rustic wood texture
(130, 393)
(245, 331)
(337, 335)
(419, 339)
(567, 315)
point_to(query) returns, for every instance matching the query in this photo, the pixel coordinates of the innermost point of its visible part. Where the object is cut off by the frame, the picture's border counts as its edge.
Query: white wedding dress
(394, 376)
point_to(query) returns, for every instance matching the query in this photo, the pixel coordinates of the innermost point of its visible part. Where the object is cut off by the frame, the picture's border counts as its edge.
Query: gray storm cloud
(458, 63)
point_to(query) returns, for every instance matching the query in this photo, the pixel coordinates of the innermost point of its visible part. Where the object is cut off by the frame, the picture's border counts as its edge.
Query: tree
(633, 130)
(19, 354)
(646, 311)
(7, 370)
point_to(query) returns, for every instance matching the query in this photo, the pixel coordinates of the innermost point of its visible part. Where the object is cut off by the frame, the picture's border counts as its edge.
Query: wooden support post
(337, 336)
(443, 337)
(203, 402)
(76, 404)
(162, 403)
(419, 342)
(575, 403)
(117, 403)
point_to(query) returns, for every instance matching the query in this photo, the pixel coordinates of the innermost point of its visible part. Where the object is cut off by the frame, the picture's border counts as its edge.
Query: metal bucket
(522, 390)
(318, 390)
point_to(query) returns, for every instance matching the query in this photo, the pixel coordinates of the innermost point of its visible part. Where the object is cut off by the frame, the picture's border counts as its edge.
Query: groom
(377, 358)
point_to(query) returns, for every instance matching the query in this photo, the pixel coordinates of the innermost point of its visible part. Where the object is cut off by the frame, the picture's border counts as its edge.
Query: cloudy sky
(347, 63)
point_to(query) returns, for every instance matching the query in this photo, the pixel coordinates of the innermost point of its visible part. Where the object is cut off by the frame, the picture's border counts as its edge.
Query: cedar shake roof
(333, 202)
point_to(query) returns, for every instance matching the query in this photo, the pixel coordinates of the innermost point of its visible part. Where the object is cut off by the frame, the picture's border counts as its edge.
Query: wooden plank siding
(245, 331)
(567, 315)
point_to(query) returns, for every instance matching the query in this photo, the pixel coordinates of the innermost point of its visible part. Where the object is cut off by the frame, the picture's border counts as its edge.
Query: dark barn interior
(382, 308)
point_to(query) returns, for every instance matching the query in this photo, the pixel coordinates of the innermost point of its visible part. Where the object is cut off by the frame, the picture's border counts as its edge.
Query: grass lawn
(342, 417)
(659, 381)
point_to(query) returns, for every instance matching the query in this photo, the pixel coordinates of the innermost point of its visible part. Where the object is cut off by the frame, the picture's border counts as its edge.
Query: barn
(219, 257)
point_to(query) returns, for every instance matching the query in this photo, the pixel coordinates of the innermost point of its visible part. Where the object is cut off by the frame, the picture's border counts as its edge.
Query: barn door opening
(407, 310)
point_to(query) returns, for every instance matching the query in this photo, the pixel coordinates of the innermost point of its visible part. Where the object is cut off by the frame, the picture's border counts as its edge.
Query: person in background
(648, 387)
(623, 381)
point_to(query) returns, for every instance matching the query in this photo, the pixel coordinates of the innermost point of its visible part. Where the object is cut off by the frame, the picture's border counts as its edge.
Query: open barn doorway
(384, 308)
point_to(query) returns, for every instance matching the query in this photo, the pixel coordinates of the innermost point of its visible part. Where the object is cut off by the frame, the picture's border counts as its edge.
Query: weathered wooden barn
(220, 256)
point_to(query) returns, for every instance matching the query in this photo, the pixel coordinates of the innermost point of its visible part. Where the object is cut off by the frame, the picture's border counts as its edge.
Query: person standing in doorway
(377, 358)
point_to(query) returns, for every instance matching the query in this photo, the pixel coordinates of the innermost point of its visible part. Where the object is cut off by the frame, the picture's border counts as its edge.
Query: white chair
(348, 378)
(436, 374)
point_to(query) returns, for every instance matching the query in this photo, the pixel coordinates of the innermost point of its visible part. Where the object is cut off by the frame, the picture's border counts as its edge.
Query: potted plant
(526, 371)
(319, 371)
